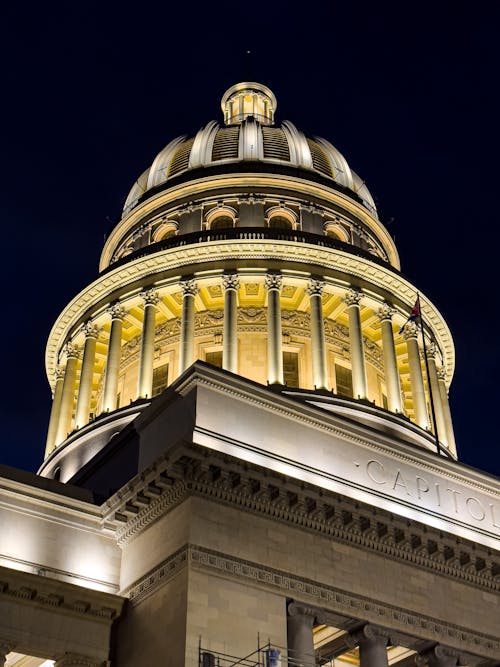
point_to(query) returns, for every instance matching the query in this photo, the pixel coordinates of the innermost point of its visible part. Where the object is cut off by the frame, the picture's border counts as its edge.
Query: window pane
(160, 379)
(214, 358)
(343, 380)
(291, 369)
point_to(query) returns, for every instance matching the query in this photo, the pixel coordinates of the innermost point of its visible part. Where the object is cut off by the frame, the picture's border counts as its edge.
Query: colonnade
(61, 419)
(371, 640)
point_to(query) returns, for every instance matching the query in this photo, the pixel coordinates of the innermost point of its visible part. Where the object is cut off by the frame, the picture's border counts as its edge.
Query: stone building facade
(250, 456)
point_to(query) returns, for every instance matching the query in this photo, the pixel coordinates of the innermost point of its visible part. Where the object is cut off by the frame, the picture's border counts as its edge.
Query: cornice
(56, 594)
(328, 598)
(185, 259)
(193, 471)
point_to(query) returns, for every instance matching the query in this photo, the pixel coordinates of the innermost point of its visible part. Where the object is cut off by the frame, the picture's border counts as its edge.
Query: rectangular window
(160, 379)
(214, 358)
(343, 381)
(291, 369)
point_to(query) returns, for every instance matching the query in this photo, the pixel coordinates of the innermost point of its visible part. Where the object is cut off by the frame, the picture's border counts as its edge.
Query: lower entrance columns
(274, 335)
(186, 345)
(300, 622)
(359, 383)
(372, 642)
(417, 382)
(145, 383)
(230, 334)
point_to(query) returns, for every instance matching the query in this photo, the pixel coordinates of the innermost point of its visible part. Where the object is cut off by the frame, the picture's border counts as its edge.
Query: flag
(415, 313)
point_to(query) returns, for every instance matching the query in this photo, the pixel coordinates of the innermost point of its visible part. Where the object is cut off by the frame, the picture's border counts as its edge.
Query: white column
(445, 405)
(359, 383)
(68, 394)
(300, 644)
(274, 335)
(54, 412)
(392, 382)
(231, 284)
(145, 381)
(113, 359)
(186, 346)
(416, 379)
(86, 375)
(315, 291)
(372, 647)
(440, 424)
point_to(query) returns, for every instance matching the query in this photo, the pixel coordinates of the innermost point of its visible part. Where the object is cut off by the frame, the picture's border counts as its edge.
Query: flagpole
(431, 398)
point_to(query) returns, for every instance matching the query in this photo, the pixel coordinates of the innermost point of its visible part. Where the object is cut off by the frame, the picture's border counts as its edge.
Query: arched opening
(222, 222)
(280, 222)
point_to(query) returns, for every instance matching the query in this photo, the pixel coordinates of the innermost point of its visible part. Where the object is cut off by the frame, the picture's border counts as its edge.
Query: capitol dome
(256, 249)
(249, 138)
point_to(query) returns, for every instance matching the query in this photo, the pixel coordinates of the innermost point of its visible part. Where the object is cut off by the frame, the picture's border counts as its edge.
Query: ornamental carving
(386, 312)
(231, 281)
(59, 373)
(150, 297)
(410, 331)
(315, 287)
(441, 373)
(273, 281)
(116, 311)
(252, 315)
(90, 330)
(353, 297)
(189, 287)
(71, 351)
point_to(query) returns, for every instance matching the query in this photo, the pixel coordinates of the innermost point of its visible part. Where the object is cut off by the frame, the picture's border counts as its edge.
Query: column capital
(116, 311)
(410, 330)
(59, 373)
(75, 660)
(90, 330)
(71, 351)
(432, 350)
(315, 287)
(231, 281)
(150, 297)
(353, 297)
(273, 281)
(438, 656)
(189, 288)
(298, 609)
(386, 312)
(441, 373)
(370, 632)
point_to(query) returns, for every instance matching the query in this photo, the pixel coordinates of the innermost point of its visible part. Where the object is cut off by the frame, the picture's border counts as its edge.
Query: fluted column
(113, 359)
(86, 375)
(300, 622)
(186, 347)
(145, 382)
(54, 412)
(315, 291)
(68, 394)
(392, 382)
(445, 405)
(372, 647)
(231, 284)
(440, 424)
(359, 383)
(417, 382)
(274, 335)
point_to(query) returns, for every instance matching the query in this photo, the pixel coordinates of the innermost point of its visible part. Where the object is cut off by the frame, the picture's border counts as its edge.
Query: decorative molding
(189, 288)
(71, 351)
(150, 297)
(410, 331)
(353, 297)
(273, 281)
(116, 311)
(315, 287)
(328, 598)
(441, 373)
(212, 475)
(231, 281)
(90, 330)
(386, 312)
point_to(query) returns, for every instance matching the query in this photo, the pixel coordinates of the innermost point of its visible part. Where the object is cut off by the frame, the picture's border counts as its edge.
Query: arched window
(222, 222)
(222, 217)
(280, 222)
(165, 231)
(335, 231)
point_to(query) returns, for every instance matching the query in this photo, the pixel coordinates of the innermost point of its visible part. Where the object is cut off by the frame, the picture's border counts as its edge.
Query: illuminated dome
(256, 249)
(249, 135)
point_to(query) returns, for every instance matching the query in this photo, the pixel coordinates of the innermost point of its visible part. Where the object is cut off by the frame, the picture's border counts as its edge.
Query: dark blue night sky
(408, 92)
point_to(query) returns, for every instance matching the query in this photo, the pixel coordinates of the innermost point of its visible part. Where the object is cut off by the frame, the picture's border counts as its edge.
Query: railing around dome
(248, 234)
